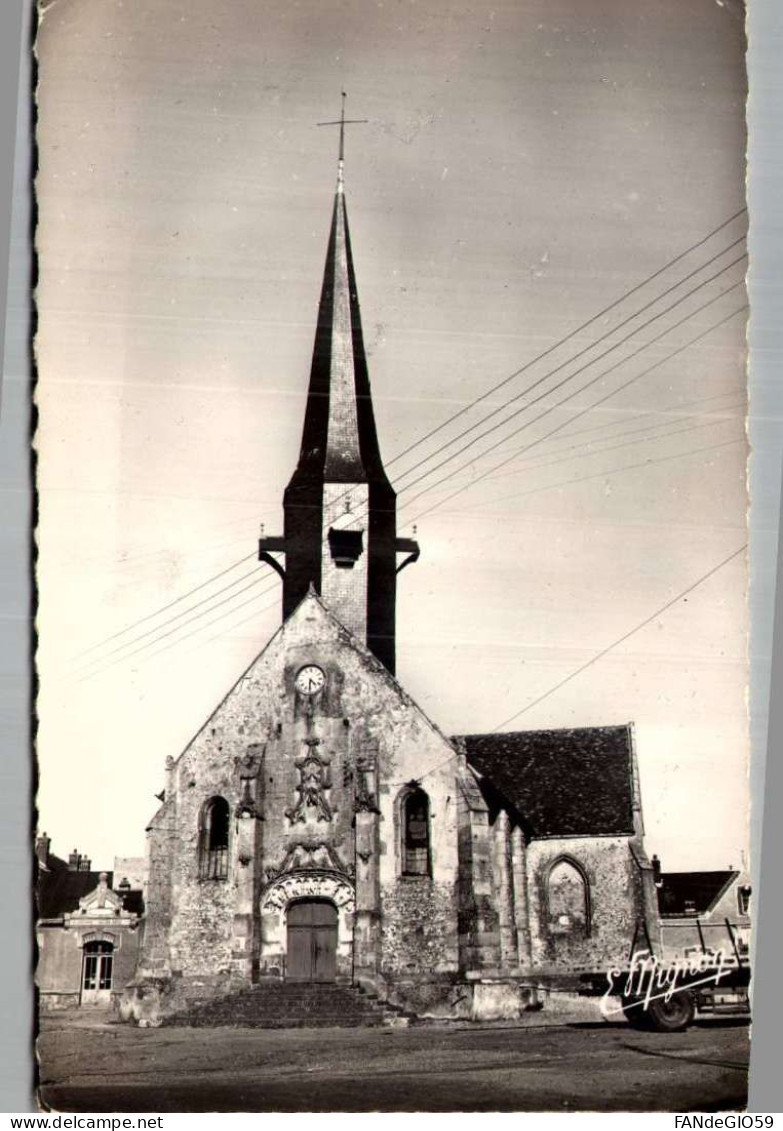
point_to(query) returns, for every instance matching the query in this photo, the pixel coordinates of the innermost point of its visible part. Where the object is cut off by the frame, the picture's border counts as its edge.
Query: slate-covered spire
(339, 439)
(340, 508)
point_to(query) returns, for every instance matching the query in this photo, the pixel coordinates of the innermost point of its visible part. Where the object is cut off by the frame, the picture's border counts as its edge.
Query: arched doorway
(97, 972)
(311, 941)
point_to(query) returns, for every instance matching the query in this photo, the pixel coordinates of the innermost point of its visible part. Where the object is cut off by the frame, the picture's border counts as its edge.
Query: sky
(524, 165)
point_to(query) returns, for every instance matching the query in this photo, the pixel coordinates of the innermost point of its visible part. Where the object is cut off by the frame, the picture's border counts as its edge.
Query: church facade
(320, 828)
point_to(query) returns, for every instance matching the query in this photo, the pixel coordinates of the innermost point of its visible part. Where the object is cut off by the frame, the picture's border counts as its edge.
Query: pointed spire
(339, 441)
(343, 450)
(348, 556)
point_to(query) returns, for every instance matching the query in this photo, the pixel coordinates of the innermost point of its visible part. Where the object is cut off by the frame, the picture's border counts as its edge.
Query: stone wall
(615, 903)
(316, 786)
(58, 973)
(312, 753)
(419, 928)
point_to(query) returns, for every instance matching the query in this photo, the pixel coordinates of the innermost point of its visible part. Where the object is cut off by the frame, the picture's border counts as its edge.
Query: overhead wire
(170, 605)
(205, 600)
(600, 655)
(588, 365)
(164, 635)
(583, 412)
(626, 636)
(571, 335)
(438, 503)
(586, 349)
(612, 471)
(534, 463)
(419, 479)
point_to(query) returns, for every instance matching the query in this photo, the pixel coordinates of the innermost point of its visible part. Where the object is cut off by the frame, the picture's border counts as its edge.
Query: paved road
(548, 1067)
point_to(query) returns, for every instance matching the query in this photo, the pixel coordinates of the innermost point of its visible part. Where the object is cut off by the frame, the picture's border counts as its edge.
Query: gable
(561, 782)
(310, 633)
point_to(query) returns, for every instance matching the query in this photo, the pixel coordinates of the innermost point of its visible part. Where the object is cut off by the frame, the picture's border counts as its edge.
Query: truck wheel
(635, 1013)
(671, 1016)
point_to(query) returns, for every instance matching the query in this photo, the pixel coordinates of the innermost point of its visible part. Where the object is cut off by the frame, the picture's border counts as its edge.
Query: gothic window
(568, 900)
(213, 840)
(416, 834)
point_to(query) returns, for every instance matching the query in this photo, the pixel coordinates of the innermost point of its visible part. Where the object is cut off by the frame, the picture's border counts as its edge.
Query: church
(321, 829)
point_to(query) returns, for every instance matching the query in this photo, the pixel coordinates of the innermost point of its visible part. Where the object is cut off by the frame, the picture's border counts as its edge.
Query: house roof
(692, 893)
(561, 782)
(59, 892)
(54, 864)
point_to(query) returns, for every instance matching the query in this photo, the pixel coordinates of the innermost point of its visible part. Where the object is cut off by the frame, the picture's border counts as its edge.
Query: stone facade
(320, 827)
(317, 788)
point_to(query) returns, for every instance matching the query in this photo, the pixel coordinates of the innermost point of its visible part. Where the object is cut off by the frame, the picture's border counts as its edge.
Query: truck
(662, 987)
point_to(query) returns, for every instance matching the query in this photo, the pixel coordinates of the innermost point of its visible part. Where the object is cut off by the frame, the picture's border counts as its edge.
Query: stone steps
(290, 1005)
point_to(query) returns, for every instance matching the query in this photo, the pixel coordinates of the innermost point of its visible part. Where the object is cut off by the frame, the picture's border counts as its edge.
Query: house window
(568, 900)
(213, 840)
(416, 834)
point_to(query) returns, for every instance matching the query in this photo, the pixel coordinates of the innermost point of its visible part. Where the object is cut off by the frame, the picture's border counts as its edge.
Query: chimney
(42, 846)
(85, 864)
(656, 867)
(73, 861)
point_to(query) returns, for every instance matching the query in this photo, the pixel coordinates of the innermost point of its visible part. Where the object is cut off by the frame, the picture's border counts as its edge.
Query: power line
(582, 368)
(577, 356)
(533, 491)
(625, 443)
(562, 341)
(465, 487)
(599, 656)
(209, 623)
(203, 613)
(165, 608)
(623, 414)
(432, 471)
(205, 600)
(583, 412)
(610, 471)
(530, 464)
(575, 332)
(626, 636)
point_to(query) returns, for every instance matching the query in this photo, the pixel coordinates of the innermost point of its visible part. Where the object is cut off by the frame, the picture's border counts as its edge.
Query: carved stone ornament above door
(303, 886)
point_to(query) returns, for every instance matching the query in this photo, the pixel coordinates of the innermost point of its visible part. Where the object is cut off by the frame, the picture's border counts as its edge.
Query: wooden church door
(312, 941)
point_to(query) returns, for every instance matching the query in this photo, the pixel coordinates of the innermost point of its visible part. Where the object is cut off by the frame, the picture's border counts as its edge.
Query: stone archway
(302, 888)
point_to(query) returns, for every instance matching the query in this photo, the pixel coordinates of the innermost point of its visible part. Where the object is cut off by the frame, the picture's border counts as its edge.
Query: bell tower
(340, 520)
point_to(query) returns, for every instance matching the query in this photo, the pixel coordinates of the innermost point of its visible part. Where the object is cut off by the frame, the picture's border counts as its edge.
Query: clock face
(310, 679)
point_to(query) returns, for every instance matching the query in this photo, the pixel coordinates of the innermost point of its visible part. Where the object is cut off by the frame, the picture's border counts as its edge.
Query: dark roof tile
(561, 782)
(59, 892)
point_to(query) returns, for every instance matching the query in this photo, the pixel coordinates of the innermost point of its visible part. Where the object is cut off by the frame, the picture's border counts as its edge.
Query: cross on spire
(342, 122)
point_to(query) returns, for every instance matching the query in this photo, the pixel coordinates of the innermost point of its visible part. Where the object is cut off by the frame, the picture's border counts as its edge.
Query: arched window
(213, 840)
(568, 900)
(416, 834)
